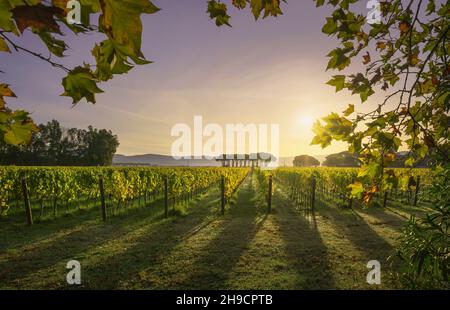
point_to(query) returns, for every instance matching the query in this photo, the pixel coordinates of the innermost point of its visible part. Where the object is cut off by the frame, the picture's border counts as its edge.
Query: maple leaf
(20, 133)
(218, 11)
(37, 16)
(121, 21)
(80, 83)
(338, 81)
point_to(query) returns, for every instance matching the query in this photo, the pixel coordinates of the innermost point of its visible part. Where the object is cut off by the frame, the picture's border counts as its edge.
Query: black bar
(367, 299)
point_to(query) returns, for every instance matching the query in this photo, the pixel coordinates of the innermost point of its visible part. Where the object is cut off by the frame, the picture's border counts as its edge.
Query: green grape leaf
(330, 27)
(257, 7)
(80, 83)
(410, 161)
(421, 150)
(338, 59)
(19, 133)
(109, 61)
(357, 189)
(218, 11)
(121, 21)
(322, 137)
(338, 81)
(371, 170)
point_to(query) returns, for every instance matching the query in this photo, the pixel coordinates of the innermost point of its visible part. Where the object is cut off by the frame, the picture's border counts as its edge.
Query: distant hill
(169, 161)
(289, 161)
(159, 160)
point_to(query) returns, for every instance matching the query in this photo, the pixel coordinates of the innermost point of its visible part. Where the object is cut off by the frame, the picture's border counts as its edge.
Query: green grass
(197, 248)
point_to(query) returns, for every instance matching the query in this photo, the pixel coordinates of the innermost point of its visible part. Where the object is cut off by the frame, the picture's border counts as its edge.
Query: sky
(267, 72)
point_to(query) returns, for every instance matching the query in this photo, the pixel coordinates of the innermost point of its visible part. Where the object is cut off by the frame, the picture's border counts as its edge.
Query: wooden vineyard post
(269, 202)
(26, 200)
(222, 195)
(385, 199)
(313, 194)
(102, 197)
(417, 190)
(166, 196)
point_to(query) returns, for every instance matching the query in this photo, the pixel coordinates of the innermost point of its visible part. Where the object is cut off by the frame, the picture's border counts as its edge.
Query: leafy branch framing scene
(384, 195)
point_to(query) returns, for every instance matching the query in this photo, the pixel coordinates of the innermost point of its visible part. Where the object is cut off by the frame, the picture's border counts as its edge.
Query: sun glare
(307, 121)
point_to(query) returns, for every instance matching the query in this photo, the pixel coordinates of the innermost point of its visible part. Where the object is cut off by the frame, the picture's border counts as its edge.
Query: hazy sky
(270, 71)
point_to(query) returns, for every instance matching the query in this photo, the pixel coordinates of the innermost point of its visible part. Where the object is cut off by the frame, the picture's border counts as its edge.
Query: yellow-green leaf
(338, 81)
(6, 91)
(80, 83)
(357, 189)
(19, 133)
(4, 46)
(349, 110)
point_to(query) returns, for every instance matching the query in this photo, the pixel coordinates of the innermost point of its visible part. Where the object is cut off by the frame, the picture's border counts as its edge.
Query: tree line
(342, 159)
(54, 145)
(347, 159)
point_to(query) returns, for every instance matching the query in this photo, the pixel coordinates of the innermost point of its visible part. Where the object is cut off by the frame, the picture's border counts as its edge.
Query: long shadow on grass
(72, 245)
(382, 217)
(147, 251)
(240, 225)
(404, 211)
(14, 233)
(357, 231)
(304, 245)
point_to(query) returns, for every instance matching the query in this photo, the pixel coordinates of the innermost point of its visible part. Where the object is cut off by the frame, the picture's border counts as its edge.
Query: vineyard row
(118, 187)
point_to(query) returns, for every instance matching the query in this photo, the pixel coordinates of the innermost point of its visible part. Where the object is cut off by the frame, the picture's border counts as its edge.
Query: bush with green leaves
(424, 247)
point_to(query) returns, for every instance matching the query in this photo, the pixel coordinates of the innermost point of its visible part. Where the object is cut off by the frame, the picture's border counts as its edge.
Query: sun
(307, 121)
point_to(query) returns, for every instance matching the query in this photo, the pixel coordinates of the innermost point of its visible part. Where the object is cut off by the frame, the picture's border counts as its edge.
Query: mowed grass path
(197, 248)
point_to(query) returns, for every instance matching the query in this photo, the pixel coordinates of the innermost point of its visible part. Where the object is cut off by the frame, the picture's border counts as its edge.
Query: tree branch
(23, 49)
